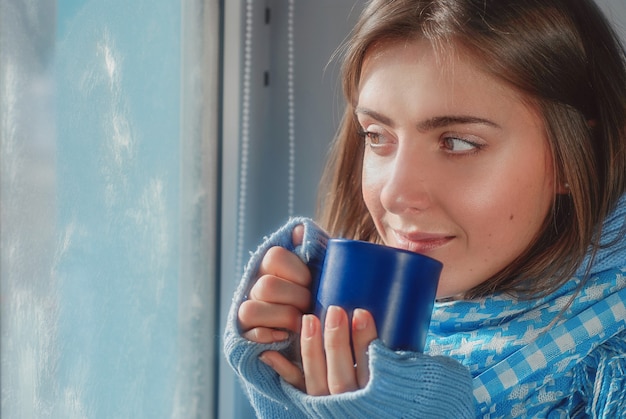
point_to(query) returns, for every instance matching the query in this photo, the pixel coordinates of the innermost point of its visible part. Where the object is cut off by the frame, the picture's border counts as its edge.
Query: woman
(489, 135)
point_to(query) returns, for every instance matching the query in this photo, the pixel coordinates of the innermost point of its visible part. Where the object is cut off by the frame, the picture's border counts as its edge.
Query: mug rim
(341, 240)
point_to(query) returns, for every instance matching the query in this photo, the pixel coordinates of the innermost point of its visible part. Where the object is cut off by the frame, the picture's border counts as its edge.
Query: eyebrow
(431, 123)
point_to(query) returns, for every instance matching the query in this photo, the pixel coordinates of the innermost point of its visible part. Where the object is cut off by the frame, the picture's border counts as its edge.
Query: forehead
(415, 59)
(444, 54)
(445, 61)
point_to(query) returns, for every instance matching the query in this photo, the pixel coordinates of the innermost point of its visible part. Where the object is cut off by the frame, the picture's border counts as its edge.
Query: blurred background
(146, 149)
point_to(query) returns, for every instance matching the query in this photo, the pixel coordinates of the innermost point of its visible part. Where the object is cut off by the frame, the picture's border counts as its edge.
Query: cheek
(369, 189)
(508, 214)
(375, 176)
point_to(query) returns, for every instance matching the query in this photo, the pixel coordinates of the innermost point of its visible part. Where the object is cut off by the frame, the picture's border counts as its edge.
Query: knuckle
(273, 256)
(252, 314)
(247, 312)
(265, 286)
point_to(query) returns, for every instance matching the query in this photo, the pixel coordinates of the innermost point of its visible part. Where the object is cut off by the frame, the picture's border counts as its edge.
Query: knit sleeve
(260, 382)
(402, 384)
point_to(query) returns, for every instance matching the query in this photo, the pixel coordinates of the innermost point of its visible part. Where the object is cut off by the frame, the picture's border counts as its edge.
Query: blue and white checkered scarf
(541, 358)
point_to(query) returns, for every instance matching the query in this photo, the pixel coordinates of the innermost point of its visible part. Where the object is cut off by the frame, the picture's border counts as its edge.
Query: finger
(341, 373)
(265, 335)
(313, 359)
(297, 235)
(286, 369)
(282, 263)
(254, 313)
(363, 333)
(271, 289)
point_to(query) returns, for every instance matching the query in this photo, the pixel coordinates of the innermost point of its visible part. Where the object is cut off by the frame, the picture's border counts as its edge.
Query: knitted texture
(560, 356)
(402, 385)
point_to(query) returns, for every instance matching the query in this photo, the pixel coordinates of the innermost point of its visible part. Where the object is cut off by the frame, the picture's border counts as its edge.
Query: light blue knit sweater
(495, 357)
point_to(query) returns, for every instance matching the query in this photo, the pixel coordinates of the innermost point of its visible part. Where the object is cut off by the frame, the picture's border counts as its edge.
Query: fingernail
(359, 321)
(279, 335)
(333, 317)
(308, 326)
(263, 358)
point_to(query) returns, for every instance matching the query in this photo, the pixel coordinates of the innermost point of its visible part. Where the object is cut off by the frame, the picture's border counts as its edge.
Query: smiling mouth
(422, 244)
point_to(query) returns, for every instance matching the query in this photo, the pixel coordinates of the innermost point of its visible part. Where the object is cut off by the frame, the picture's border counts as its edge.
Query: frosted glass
(95, 312)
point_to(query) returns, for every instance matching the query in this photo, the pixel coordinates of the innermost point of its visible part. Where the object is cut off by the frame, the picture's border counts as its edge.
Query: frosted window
(107, 205)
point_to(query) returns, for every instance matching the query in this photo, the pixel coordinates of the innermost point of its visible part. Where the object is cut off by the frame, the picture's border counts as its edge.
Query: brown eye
(460, 145)
(372, 138)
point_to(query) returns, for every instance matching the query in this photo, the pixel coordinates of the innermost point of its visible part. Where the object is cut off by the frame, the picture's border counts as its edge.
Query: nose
(407, 187)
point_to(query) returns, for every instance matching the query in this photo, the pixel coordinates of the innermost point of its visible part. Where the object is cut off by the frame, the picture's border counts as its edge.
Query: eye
(456, 145)
(375, 138)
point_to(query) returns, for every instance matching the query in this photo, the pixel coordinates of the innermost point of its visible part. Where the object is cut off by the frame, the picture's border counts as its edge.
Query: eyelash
(364, 134)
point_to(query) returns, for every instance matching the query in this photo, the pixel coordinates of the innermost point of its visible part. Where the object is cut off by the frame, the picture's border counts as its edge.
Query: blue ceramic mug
(396, 286)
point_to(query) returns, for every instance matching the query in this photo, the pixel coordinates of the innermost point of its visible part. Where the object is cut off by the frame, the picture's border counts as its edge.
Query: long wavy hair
(565, 59)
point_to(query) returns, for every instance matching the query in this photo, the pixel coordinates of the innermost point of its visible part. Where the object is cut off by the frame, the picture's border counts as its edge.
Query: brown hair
(565, 59)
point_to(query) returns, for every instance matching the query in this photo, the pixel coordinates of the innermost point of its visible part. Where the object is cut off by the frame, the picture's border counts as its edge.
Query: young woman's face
(456, 166)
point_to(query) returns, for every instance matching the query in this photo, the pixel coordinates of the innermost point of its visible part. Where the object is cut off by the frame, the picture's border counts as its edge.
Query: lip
(419, 242)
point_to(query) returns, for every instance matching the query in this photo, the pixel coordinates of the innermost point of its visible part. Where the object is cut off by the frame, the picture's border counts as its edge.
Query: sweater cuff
(402, 384)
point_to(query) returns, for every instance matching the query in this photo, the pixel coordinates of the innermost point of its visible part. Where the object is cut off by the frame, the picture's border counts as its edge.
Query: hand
(329, 367)
(279, 296)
